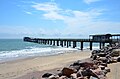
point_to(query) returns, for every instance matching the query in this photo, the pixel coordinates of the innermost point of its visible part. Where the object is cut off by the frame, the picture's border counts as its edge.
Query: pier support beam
(103, 44)
(64, 43)
(100, 45)
(69, 43)
(41, 41)
(57, 43)
(53, 42)
(50, 42)
(45, 42)
(81, 45)
(90, 45)
(61, 43)
(74, 44)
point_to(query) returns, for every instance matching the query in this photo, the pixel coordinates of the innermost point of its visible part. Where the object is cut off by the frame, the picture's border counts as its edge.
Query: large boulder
(115, 53)
(118, 59)
(53, 77)
(67, 71)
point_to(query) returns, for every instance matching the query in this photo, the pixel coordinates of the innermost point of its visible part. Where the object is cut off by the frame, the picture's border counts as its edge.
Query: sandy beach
(17, 68)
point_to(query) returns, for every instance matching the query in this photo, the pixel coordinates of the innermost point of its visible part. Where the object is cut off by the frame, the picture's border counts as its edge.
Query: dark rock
(118, 59)
(76, 68)
(107, 69)
(63, 77)
(60, 74)
(77, 63)
(79, 74)
(102, 54)
(73, 76)
(104, 64)
(67, 71)
(54, 77)
(46, 75)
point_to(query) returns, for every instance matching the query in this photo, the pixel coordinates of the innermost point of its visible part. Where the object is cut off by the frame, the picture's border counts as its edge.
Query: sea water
(11, 49)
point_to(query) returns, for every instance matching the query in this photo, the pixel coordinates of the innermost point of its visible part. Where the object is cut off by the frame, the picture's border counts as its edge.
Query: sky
(58, 18)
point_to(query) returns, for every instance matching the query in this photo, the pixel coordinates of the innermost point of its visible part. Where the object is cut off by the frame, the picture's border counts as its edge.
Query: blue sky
(58, 18)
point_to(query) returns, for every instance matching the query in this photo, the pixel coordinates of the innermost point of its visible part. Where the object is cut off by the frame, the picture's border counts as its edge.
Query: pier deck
(101, 39)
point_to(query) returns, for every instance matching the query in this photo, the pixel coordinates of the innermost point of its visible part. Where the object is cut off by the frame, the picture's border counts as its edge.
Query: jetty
(100, 38)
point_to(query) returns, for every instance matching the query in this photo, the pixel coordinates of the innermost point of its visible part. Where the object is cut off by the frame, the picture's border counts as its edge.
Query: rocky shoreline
(95, 67)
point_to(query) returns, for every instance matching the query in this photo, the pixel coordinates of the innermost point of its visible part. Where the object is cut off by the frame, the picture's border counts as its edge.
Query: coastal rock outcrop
(94, 67)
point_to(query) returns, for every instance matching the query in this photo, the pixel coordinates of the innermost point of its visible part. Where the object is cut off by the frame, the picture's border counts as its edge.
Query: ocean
(11, 49)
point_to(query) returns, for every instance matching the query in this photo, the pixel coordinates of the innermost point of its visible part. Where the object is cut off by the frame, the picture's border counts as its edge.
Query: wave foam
(33, 51)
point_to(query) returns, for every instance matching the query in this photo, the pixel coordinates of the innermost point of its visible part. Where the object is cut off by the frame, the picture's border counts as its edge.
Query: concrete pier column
(64, 43)
(100, 45)
(103, 44)
(57, 43)
(50, 42)
(61, 43)
(54, 42)
(36, 41)
(81, 45)
(90, 45)
(69, 43)
(74, 44)
(42, 41)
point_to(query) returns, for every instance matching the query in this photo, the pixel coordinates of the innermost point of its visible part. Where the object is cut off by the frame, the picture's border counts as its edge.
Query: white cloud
(47, 7)
(77, 21)
(71, 17)
(28, 12)
(90, 1)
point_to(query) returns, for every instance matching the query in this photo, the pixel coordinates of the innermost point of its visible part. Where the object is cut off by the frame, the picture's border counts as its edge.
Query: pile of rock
(93, 68)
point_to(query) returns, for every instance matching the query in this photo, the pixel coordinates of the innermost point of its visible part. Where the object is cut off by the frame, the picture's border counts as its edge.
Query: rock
(46, 75)
(102, 54)
(76, 68)
(118, 59)
(115, 53)
(77, 63)
(80, 78)
(87, 65)
(107, 69)
(60, 74)
(53, 77)
(104, 64)
(102, 67)
(63, 77)
(73, 76)
(79, 74)
(67, 71)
